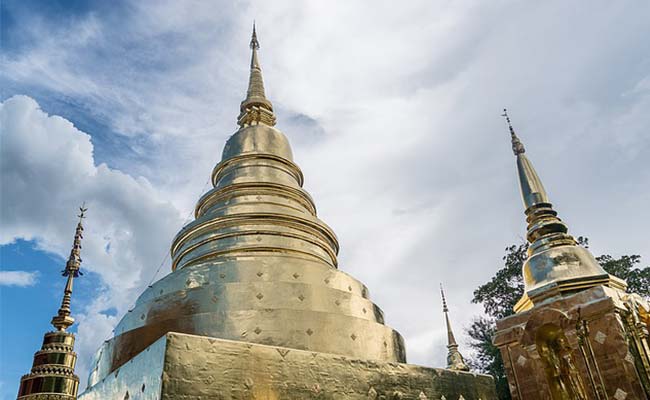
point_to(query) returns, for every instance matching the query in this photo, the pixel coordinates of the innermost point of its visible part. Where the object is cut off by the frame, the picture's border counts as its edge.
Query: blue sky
(27, 310)
(393, 114)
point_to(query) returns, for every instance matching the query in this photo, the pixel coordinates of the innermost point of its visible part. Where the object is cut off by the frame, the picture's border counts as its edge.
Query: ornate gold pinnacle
(63, 320)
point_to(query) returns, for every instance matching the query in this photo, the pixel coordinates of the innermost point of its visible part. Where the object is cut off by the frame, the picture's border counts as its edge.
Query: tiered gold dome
(256, 265)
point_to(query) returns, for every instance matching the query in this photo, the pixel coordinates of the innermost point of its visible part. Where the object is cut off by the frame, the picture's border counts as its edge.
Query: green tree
(501, 293)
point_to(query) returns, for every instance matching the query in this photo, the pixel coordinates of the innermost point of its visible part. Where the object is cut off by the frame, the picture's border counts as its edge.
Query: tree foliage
(501, 293)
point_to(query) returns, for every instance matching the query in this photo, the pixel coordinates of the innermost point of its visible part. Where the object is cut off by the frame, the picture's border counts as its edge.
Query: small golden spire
(63, 320)
(256, 108)
(455, 360)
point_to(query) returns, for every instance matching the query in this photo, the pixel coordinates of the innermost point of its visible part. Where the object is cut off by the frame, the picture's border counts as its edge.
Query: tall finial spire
(63, 320)
(255, 109)
(445, 309)
(517, 146)
(455, 360)
(255, 45)
(556, 263)
(532, 190)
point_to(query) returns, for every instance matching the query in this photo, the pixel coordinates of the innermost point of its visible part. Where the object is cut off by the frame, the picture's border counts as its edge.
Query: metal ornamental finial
(63, 320)
(517, 146)
(445, 309)
(255, 45)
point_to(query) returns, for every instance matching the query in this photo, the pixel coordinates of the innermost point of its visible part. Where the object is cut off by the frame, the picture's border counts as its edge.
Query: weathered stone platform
(182, 367)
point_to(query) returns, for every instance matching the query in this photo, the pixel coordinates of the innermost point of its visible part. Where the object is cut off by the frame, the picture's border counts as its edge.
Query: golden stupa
(255, 307)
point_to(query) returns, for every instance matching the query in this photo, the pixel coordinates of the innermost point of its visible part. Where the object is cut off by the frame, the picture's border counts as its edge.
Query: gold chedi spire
(256, 264)
(63, 320)
(255, 109)
(556, 264)
(455, 360)
(52, 376)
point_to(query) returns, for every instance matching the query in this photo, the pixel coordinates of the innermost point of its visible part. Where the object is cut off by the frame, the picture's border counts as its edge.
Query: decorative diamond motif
(259, 296)
(301, 297)
(338, 303)
(364, 310)
(385, 344)
(142, 317)
(372, 393)
(353, 337)
(600, 337)
(620, 394)
(309, 332)
(521, 361)
(296, 275)
(327, 280)
(260, 274)
(215, 298)
(222, 275)
(283, 352)
(350, 288)
(257, 330)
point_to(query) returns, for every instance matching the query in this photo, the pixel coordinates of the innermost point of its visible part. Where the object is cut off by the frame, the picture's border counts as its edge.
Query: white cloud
(47, 171)
(394, 117)
(18, 278)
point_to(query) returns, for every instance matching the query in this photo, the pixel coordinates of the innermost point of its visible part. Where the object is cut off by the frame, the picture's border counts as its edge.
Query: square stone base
(183, 367)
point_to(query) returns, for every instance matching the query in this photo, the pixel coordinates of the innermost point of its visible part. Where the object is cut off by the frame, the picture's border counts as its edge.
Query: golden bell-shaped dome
(259, 139)
(257, 264)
